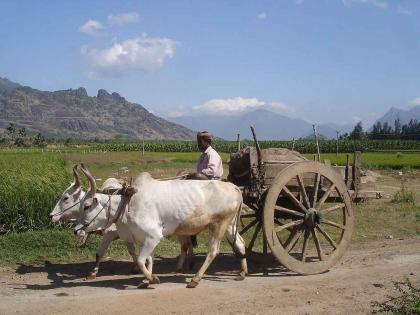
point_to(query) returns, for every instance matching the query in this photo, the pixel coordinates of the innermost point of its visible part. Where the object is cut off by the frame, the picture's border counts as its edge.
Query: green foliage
(30, 185)
(411, 130)
(302, 146)
(357, 133)
(406, 302)
(39, 141)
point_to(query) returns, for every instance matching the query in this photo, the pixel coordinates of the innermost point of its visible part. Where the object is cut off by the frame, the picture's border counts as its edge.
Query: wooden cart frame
(302, 208)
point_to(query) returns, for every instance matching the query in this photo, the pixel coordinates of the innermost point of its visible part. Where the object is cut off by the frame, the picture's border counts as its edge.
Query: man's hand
(195, 175)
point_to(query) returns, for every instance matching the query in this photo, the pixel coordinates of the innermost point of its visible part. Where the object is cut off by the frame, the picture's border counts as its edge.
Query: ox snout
(54, 218)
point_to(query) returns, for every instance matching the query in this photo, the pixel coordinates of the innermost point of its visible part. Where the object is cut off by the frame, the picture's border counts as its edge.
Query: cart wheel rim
(308, 219)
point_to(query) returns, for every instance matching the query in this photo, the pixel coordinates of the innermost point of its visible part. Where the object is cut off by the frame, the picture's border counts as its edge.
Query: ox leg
(149, 264)
(185, 251)
(106, 240)
(216, 231)
(131, 247)
(146, 252)
(238, 246)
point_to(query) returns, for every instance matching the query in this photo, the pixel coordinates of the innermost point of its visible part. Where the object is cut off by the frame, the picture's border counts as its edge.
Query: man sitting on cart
(209, 165)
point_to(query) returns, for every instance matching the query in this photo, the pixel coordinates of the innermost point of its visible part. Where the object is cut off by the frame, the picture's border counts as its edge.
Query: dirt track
(364, 275)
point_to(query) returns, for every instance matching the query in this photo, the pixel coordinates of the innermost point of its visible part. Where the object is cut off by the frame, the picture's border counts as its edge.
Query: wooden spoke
(289, 211)
(324, 197)
(249, 215)
(294, 199)
(335, 207)
(305, 244)
(254, 237)
(287, 225)
(327, 236)
(317, 179)
(328, 222)
(250, 225)
(292, 239)
(303, 191)
(317, 244)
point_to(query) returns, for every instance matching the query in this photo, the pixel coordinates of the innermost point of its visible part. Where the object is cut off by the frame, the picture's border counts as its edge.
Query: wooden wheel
(251, 229)
(308, 217)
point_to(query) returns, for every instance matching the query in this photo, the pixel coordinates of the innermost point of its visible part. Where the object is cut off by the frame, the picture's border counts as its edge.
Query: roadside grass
(376, 160)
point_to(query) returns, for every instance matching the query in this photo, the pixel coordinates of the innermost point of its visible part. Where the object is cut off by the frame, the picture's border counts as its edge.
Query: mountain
(72, 113)
(269, 126)
(403, 115)
(7, 85)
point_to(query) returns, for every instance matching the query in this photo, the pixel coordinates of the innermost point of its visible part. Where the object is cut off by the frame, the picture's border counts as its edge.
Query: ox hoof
(192, 284)
(240, 277)
(143, 285)
(155, 280)
(91, 276)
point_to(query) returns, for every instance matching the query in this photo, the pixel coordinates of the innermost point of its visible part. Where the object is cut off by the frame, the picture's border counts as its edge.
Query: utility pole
(336, 148)
(238, 142)
(316, 141)
(142, 153)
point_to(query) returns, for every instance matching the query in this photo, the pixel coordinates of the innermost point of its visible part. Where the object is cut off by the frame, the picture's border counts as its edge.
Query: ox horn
(92, 182)
(76, 176)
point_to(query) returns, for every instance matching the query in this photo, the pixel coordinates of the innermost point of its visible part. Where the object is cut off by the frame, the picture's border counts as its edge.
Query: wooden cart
(302, 208)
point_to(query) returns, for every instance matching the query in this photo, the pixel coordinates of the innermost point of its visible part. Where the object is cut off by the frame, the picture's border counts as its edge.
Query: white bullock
(163, 208)
(68, 209)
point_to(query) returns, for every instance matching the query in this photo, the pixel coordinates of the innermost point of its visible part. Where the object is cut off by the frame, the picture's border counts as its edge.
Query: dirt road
(364, 275)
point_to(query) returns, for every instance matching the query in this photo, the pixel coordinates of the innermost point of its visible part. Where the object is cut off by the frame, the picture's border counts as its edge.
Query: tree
(39, 140)
(397, 128)
(11, 130)
(357, 133)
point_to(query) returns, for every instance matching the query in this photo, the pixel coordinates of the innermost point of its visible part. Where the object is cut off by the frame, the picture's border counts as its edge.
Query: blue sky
(325, 61)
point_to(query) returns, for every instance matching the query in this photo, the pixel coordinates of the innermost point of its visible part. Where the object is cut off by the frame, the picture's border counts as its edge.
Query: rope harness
(126, 192)
(65, 210)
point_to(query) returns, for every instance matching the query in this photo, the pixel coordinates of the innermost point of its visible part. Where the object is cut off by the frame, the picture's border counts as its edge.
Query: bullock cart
(301, 208)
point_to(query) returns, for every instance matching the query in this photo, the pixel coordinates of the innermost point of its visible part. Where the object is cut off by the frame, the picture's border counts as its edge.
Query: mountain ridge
(269, 126)
(404, 115)
(73, 113)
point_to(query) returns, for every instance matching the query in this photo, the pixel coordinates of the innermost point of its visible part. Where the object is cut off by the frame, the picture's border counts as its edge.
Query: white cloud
(262, 16)
(239, 105)
(91, 27)
(144, 53)
(414, 102)
(403, 11)
(229, 106)
(382, 4)
(123, 18)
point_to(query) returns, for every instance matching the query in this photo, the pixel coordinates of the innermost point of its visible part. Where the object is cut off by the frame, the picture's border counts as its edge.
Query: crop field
(303, 146)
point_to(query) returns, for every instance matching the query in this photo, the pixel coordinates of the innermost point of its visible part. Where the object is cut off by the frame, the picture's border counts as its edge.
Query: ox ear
(91, 179)
(76, 177)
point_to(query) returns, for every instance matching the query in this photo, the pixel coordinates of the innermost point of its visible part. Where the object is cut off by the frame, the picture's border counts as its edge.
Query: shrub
(407, 302)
